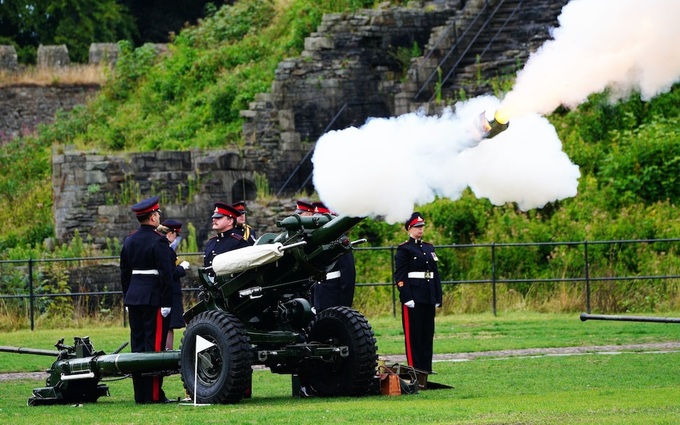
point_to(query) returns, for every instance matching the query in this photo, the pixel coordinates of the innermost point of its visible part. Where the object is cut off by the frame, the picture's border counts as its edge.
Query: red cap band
(416, 221)
(148, 210)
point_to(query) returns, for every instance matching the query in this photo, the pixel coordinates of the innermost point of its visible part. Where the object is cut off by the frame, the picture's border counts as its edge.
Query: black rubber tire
(224, 369)
(349, 376)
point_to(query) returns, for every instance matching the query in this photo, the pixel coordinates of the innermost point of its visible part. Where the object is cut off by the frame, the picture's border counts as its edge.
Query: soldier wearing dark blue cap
(146, 278)
(242, 226)
(171, 229)
(420, 291)
(227, 238)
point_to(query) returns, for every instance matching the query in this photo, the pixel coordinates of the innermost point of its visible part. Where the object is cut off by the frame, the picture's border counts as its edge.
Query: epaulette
(236, 236)
(403, 243)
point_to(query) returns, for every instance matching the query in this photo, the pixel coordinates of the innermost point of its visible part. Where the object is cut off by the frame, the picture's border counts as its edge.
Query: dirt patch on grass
(559, 351)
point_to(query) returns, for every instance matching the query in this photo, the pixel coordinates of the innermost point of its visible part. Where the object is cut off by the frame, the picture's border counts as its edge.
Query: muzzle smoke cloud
(388, 166)
(622, 45)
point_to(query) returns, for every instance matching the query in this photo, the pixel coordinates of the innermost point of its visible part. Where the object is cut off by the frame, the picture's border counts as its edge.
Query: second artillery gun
(254, 307)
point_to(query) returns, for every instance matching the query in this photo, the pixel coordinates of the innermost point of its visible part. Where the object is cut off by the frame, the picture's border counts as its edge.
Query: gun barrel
(490, 125)
(119, 364)
(123, 363)
(586, 316)
(334, 229)
(24, 350)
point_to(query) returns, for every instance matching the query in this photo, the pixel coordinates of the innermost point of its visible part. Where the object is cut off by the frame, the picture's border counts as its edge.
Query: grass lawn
(625, 388)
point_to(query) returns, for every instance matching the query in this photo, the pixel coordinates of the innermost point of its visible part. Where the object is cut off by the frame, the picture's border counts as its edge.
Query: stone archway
(243, 190)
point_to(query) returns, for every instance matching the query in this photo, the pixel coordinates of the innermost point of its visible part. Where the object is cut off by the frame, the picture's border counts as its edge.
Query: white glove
(126, 309)
(165, 311)
(410, 304)
(185, 265)
(437, 305)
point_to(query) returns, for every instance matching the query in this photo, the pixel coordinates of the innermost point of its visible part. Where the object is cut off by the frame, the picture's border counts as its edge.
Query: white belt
(145, 272)
(421, 275)
(333, 275)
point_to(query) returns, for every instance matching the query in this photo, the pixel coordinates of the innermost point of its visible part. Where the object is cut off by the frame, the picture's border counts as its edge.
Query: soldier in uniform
(303, 208)
(146, 277)
(241, 223)
(227, 238)
(171, 229)
(338, 287)
(420, 292)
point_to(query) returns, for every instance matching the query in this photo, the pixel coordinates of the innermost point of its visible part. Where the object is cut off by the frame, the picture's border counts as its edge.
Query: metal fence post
(30, 292)
(587, 275)
(394, 292)
(493, 276)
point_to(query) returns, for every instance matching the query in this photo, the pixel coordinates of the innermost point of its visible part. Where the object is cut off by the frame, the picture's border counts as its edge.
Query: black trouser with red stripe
(418, 323)
(148, 330)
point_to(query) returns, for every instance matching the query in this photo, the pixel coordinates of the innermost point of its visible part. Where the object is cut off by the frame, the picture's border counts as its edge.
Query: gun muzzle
(491, 124)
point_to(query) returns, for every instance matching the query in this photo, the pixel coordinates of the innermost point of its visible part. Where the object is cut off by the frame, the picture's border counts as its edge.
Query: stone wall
(24, 107)
(93, 192)
(53, 56)
(8, 59)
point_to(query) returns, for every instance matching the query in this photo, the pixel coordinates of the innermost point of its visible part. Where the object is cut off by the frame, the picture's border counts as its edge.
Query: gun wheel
(224, 369)
(344, 376)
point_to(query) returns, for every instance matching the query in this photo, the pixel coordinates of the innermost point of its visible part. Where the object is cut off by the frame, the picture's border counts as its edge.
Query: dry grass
(74, 74)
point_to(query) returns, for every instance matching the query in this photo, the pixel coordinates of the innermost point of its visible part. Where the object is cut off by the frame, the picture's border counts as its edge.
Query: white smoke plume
(623, 45)
(389, 166)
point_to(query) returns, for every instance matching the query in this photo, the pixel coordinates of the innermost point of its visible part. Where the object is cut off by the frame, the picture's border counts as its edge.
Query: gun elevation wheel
(352, 375)
(224, 369)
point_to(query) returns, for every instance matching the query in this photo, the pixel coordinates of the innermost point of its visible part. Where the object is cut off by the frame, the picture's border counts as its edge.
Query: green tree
(157, 19)
(77, 23)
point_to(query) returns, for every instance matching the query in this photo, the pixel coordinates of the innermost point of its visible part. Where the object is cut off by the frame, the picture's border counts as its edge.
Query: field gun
(254, 309)
(76, 374)
(651, 319)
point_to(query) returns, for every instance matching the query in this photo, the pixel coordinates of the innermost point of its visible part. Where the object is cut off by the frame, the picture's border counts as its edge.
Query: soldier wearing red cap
(227, 238)
(338, 287)
(303, 208)
(420, 291)
(321, 208)
(241, 223)
(146, 277)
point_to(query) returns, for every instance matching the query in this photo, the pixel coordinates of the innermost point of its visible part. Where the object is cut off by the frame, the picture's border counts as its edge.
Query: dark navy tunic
(143, 252)
(417, 257)
(247, 233)
(338, 288)
(221, 243)
(177, 312)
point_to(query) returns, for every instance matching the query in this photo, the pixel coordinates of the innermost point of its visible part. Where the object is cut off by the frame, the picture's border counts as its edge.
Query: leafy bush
(643, 164)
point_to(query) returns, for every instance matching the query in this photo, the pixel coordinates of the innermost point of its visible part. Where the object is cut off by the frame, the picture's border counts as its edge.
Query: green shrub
(643, 165)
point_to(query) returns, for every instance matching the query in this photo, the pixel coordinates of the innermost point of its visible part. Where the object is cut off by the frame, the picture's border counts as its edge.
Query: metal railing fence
(465, 264)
